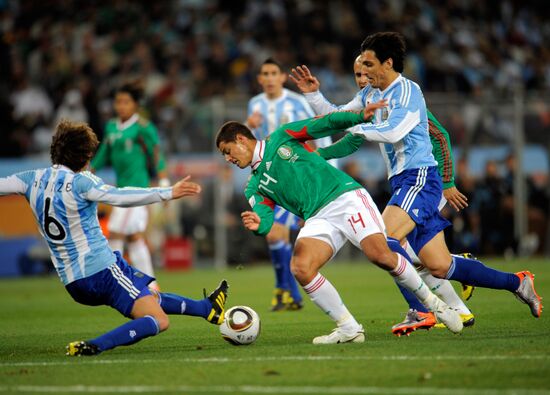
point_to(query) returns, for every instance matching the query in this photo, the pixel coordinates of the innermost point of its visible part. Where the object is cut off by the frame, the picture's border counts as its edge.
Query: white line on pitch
(258, 389)
(306, 358)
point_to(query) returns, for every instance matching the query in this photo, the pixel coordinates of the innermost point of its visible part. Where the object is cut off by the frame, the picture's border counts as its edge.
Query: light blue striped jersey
(401, 127)
(64, 204)
(290, 107)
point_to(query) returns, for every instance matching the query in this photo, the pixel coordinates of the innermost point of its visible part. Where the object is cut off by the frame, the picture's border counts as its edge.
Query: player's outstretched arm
(251, 220)
(185, 188)
(455, 198)
(304, 80)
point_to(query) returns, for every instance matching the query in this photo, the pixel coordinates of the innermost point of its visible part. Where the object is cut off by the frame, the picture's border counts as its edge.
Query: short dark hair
(271, 61)
(73, 144)
(229, 131)
(387, 45)
(134, 89)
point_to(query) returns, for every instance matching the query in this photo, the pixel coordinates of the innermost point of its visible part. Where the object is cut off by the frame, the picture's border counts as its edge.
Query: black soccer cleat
(79, 348)
(217, 298)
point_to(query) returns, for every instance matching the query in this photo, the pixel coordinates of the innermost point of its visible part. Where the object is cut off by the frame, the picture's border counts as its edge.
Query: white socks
(439, 286)
(406, 275)
(324, 295)
(444, 289)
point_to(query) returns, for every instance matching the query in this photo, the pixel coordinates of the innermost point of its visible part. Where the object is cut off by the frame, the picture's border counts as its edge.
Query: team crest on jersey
(385, 114)
(284, 119)
(285, 152)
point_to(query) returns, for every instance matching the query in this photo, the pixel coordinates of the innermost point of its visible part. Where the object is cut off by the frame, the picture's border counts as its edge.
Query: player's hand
(251, 220)
(254, 120)
(455, 198)
(185, 188)
(368, 111)
(304, 80)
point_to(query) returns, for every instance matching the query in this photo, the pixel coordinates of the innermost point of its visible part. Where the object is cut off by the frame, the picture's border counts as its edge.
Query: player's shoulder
(85, 180)
(258, 98)
(405, 89)
(296, 97)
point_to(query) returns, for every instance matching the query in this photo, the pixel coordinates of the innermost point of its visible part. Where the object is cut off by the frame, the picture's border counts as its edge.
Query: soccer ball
(240, 326)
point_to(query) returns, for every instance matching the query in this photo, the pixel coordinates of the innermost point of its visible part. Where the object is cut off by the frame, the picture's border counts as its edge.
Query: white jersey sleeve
(322, 106)
(13, 185)
(91, 187)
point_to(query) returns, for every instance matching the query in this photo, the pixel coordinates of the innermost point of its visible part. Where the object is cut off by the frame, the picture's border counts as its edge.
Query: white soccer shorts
(128, 220)
(352, 216)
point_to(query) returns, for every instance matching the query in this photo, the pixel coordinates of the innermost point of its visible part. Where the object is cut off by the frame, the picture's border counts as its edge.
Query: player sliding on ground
(335, 207)
(64, 200)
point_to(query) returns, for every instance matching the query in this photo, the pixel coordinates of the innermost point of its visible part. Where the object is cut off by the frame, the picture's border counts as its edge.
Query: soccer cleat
(414, 320)
(337, 336)
(467, 290)
(526, 293)
(217, 298)
(79, 348)
(293, 306)
(448, 316)
(280, 299)
(467, 321)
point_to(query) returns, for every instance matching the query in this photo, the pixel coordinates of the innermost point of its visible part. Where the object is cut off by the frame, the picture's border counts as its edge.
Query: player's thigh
(436, 256)
(148, 305)
(398, 223)
(128, 220)
(310, 254)
(278, 232)
(135, 237)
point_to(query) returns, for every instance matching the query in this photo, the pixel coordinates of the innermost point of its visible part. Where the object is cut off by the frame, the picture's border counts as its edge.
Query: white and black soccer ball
(241, 325)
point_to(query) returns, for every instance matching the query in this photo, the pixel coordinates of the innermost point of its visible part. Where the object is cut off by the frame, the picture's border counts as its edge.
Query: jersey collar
(126, 124)
(258, 155)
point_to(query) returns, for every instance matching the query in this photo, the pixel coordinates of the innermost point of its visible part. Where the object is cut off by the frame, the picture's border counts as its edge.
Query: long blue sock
(293, 285)
(280, 258)
(176, 304)
(473, 272)
(129, 333)
(410, 297)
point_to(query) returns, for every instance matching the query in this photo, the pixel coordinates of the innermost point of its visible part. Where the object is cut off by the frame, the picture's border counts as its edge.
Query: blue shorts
(286, 218)
(118, 286)
(418, 192)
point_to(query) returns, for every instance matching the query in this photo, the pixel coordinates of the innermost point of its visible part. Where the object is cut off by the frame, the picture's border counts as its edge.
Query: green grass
(506, 352)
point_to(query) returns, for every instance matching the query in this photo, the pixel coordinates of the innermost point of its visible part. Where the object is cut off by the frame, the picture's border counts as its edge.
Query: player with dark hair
(64, 200)
(417, 317)
(131, 146)
(335, 209)
(267, 111)
(412, 212)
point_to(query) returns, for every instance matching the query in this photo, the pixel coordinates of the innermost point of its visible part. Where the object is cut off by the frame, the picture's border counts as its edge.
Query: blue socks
(129, 333)
(410, 297)
(176, 304)
(281, 254)
(473, 272)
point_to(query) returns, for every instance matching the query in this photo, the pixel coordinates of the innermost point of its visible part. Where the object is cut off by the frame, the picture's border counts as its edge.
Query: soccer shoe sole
(218, 298)
(406, 329)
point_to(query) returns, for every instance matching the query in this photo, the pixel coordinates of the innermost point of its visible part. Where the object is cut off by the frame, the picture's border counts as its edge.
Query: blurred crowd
(61, 58)
(64, 58)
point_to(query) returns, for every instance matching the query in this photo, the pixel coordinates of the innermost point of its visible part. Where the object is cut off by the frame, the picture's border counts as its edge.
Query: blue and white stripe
(123, 281)
(73, 197)
(413, 192)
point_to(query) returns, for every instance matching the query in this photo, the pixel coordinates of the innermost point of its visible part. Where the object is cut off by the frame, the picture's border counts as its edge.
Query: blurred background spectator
(198, 62)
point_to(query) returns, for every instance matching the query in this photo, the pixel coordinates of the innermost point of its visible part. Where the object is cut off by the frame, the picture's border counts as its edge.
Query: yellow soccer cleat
(79, 348)
(217, 298)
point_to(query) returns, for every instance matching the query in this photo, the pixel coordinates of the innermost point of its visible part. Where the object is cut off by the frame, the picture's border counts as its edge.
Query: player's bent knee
(302, 270)
(163, 322)
(439, 272)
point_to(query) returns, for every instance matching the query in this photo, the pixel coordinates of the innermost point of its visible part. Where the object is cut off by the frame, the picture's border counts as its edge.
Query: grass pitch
(506, 352)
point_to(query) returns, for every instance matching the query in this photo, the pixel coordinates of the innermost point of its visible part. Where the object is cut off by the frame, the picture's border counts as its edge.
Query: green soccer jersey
(441, 149)
(132, 152)
(286, 173)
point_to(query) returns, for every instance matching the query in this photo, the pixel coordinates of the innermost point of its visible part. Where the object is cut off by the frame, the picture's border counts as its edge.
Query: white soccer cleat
(446, 315)
(338, 336)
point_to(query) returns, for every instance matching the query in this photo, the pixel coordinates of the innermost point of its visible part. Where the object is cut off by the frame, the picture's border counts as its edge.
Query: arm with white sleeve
(13, 185)
(92, 188)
